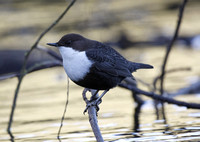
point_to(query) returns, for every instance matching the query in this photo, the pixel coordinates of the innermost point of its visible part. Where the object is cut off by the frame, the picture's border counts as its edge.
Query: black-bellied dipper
(94, 65)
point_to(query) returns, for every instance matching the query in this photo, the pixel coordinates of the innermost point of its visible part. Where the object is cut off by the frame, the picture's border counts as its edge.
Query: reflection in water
(45, 109)
(139, 102)
(11, 136)
(41, 104)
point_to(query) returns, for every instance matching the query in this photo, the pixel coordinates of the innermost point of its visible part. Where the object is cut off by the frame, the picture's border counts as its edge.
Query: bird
(94, 65)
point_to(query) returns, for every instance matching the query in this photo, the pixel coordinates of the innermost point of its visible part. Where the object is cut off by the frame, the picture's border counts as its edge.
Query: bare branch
(63, 117)
(169, 47)
(167, 72)
(159, 97)
(23, 70)
(93, 115)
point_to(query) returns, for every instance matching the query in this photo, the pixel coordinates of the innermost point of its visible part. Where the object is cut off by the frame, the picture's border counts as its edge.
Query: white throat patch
(75, 63)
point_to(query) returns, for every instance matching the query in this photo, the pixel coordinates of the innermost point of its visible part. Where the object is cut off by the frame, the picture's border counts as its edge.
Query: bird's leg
(94, 97)
(94, 94)
(84, 95)
(94, 101)
(98, 100)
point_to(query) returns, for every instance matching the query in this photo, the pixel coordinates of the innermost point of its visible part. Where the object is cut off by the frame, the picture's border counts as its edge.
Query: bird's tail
(136, 66)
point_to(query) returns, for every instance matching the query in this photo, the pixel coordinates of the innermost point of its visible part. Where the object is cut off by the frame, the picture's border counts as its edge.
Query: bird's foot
(93, 102)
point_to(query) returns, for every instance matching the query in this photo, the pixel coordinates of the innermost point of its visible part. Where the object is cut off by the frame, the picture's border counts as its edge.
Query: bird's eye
(68, 42)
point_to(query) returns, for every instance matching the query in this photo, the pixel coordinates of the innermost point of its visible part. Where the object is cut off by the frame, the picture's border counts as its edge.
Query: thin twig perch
(93, 115)
(159, 97)
(169, 47)
(63, 117)
(23, 71)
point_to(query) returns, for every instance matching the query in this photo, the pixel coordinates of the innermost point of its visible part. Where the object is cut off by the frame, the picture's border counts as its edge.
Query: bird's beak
(53, 44)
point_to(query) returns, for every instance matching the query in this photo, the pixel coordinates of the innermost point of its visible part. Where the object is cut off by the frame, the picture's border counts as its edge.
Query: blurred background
(139, 30)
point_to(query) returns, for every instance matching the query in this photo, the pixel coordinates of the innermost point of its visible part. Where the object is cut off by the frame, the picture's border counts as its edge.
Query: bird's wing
(112, 64)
